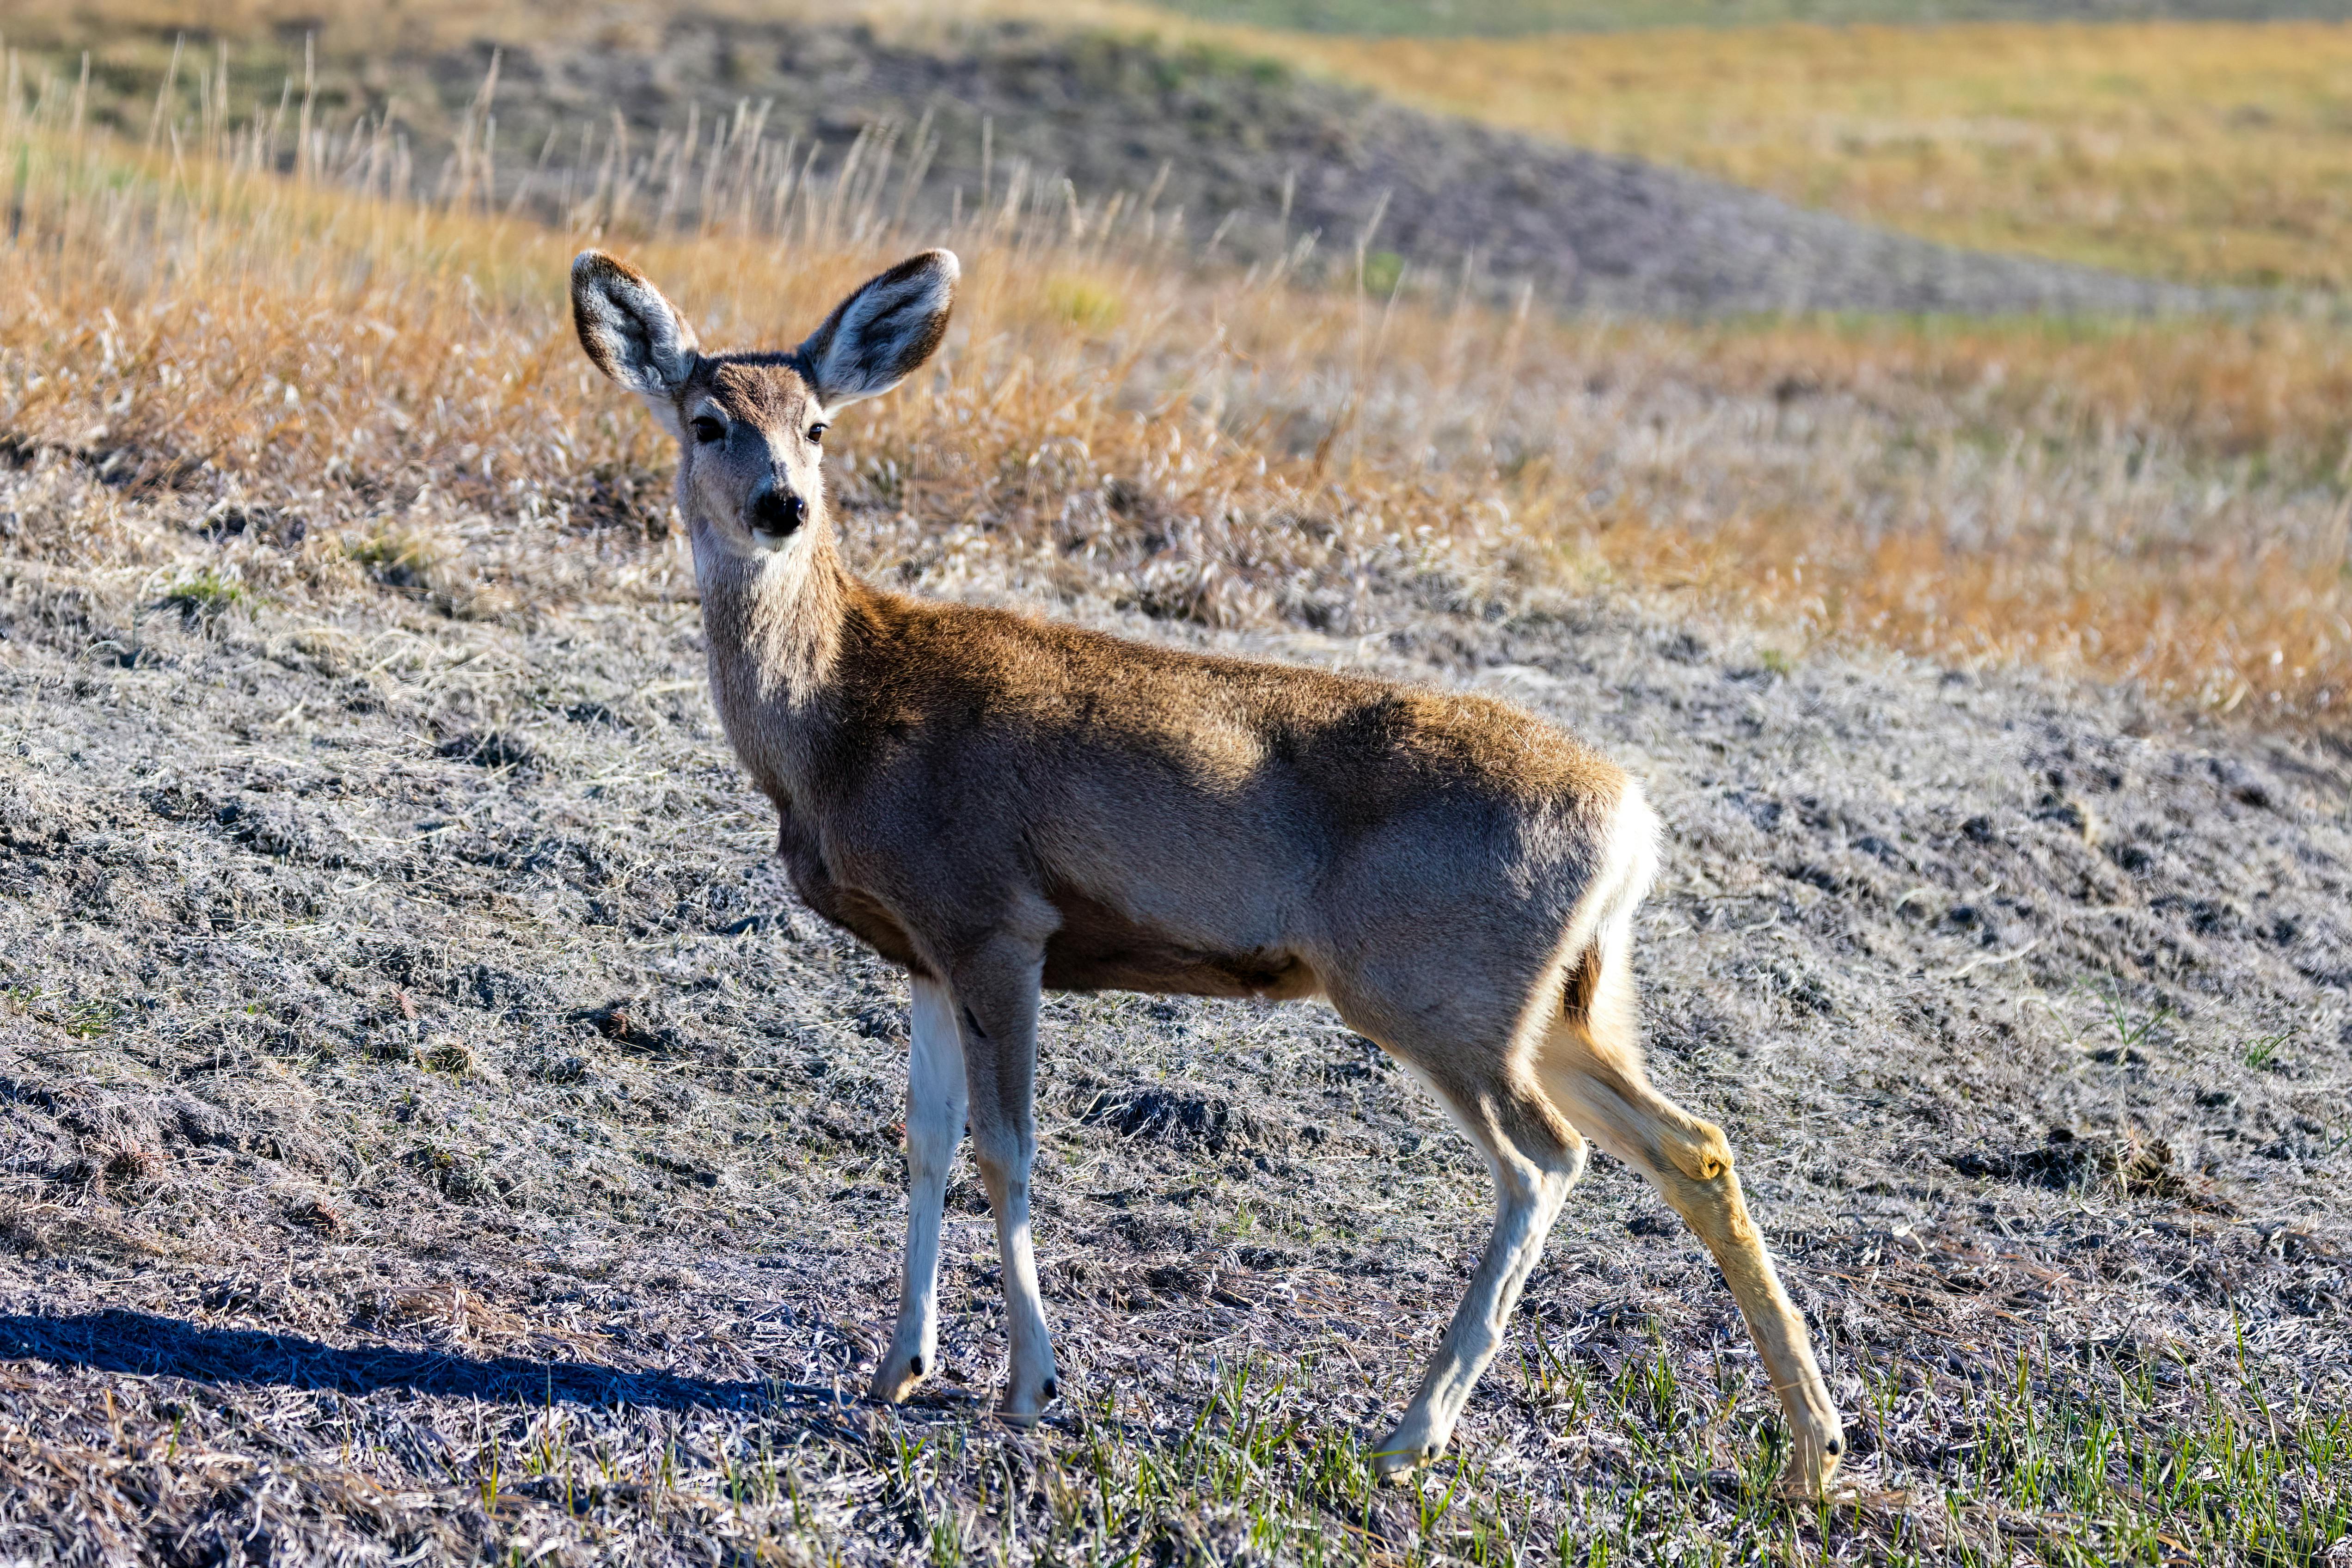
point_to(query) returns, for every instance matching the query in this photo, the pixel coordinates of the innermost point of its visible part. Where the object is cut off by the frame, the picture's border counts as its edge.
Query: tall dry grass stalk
(269, 347)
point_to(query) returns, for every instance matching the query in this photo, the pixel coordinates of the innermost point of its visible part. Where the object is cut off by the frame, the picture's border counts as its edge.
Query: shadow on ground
(144, 1345)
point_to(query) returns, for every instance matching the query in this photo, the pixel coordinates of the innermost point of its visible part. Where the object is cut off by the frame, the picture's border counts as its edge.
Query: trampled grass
(2204, 152)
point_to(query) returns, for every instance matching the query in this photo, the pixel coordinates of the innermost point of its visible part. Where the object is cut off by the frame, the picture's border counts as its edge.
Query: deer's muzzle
(776, 512)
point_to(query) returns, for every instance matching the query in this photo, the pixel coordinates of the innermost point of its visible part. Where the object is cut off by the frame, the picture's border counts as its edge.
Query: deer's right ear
(635, 335)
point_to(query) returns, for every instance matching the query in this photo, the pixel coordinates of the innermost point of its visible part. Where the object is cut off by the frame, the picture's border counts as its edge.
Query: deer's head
(751, 427)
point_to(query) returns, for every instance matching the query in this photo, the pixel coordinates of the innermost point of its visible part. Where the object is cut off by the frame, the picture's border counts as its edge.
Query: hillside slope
(1252, 154)
(1229, 144)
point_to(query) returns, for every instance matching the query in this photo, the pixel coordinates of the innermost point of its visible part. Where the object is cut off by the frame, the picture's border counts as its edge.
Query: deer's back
(1192, 820)
(1061, 705)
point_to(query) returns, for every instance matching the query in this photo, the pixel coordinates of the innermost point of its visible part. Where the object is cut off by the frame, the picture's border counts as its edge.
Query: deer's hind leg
(1590, 1065)
(1536, 1154)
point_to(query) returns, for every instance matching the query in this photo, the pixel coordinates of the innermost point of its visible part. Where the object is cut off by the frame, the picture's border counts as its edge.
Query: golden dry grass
(2161, 504)
(2206, 152)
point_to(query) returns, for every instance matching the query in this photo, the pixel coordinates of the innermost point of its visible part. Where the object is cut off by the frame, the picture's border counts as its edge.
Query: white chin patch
(764, 539)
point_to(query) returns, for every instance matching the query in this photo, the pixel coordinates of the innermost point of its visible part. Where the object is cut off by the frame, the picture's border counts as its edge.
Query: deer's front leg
(996, 990)
(935, 1114)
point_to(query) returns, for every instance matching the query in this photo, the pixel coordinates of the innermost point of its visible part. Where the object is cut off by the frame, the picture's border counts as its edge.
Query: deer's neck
(774, 624)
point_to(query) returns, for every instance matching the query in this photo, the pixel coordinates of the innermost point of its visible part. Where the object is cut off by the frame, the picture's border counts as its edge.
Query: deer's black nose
(778, 511)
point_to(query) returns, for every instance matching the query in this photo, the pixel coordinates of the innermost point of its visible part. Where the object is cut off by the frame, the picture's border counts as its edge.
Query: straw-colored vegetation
(2159, 504)
(1461, 18)
(2206, 152)
(2200, 151)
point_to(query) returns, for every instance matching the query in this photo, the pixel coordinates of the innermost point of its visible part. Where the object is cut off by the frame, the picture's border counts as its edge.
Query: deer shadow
(144, 1345)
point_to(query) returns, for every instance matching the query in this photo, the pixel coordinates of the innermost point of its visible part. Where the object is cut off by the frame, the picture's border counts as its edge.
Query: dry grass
(2159, 504)
(2099, 501)
(2203, 152)
(1496, 18)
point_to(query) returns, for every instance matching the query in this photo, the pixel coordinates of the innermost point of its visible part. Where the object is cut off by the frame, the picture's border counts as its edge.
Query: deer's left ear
(635, 335)
(878, 336)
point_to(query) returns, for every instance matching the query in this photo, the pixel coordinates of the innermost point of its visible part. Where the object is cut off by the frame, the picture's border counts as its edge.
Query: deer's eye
(707, 430)
(816, 434)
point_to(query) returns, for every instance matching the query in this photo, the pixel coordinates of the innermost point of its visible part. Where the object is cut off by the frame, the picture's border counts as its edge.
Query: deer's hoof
(1026, 1411)
(898, 1377)
(1812, 1465)
(1405, 1452)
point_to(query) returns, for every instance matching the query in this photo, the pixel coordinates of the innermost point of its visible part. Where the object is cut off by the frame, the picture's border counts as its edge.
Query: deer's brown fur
(1000, 804)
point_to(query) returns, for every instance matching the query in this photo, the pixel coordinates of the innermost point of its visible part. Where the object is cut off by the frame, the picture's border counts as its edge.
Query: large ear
(875, 339)
(635, 335)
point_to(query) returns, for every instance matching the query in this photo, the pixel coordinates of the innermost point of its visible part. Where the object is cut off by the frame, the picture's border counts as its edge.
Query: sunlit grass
(2160, 502)
(2205, 152)
(2064, 1463)
(1458, 18)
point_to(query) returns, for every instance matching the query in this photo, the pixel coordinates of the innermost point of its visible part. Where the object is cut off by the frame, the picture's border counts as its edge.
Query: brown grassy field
(2157, 503)
(1507, 18)
(2198, 151)
(435, 1134)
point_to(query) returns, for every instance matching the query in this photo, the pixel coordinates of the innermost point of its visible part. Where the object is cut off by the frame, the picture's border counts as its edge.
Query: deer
(1000, 805)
